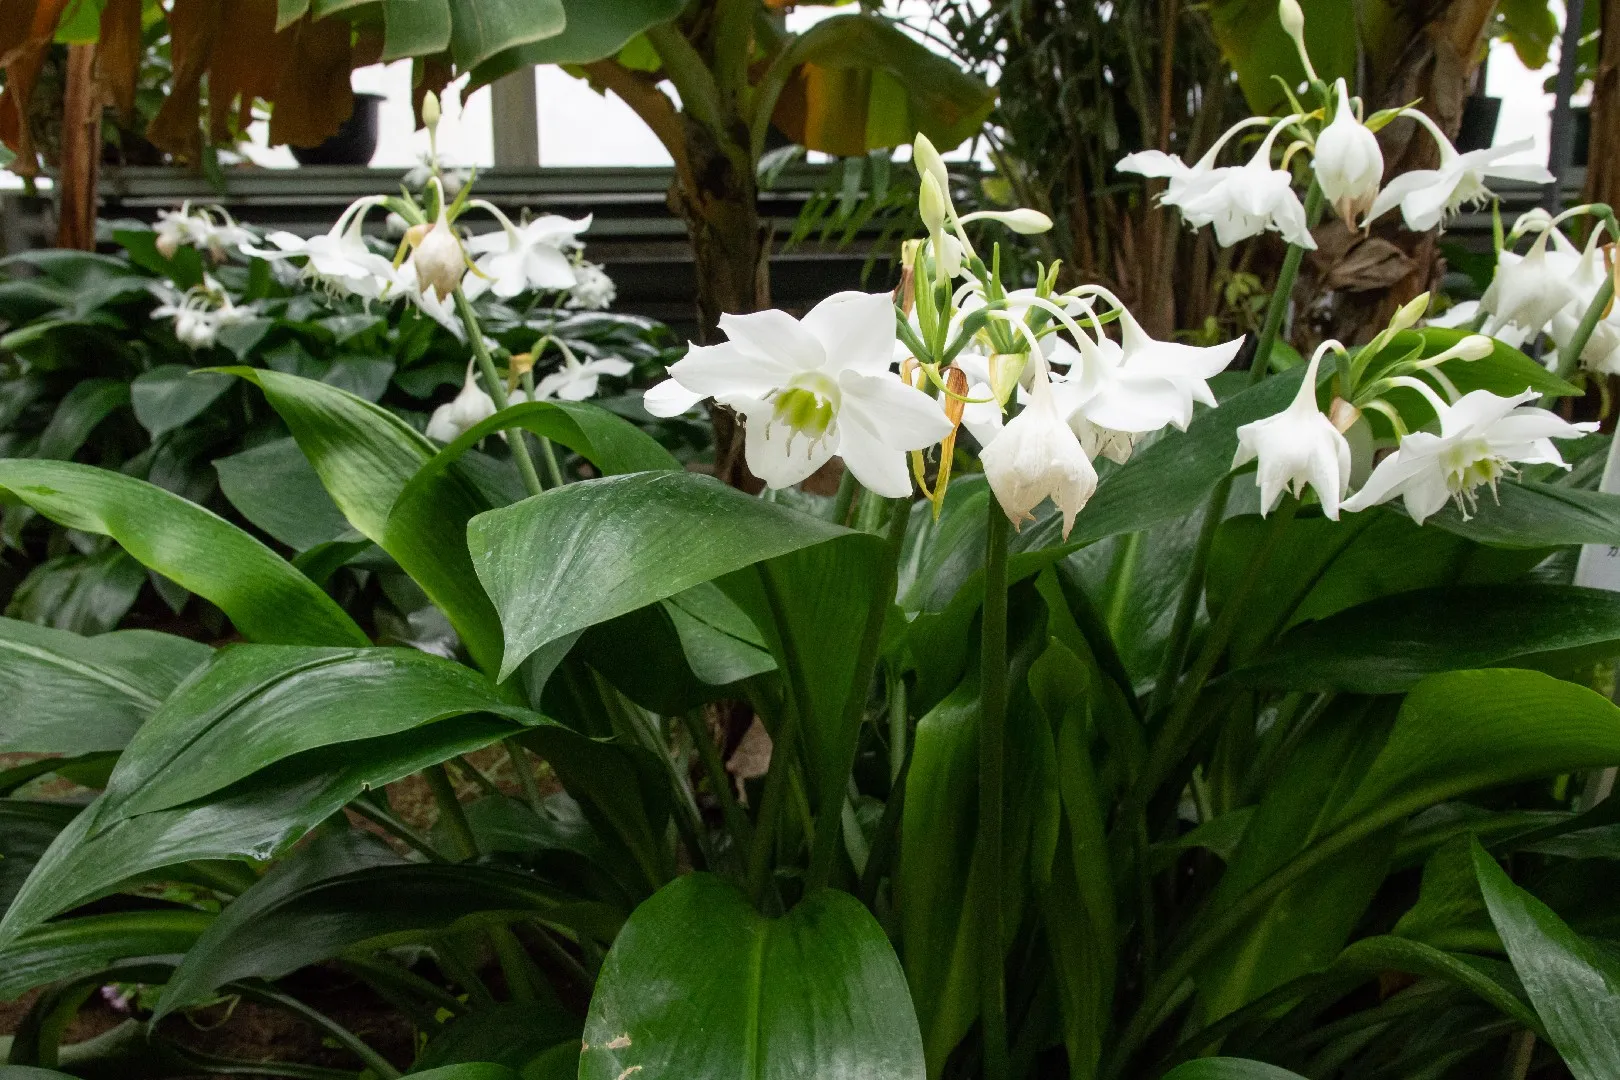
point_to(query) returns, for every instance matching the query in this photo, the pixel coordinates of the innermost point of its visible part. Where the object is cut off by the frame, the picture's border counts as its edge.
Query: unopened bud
(1293, 23)
(1474, 347)
(1005, 371)
(956, 386)
(1410, 313)
(430, 111)
(1024, 221)
(931, 204)
(928, 161)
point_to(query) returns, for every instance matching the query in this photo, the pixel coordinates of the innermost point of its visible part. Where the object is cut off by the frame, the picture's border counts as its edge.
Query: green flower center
(807, 406)
(1468, 466)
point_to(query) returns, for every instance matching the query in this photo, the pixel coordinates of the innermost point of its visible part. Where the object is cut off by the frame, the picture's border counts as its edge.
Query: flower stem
(1570, 359)
(548, 455)
(525, 775)
(454, 817)
(1283, 295)
(992, 739)
(497, 390)
(719, 779)
(268, 995)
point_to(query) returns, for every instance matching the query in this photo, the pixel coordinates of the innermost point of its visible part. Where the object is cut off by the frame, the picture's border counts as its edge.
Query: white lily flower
(576, 381)
(1481, 437)
(1298, 446)
(340, 259)
(183, 228)
(521, 258)
(1037, 456)
(196, 321)
(1427, 197)
(438, 258)
(470, 407)
(1252, 199)
(1586, 272)
(1186, 182)
(441, 310)
(593, 290)
(1527, 291)
(812, 388)
(1348, 161)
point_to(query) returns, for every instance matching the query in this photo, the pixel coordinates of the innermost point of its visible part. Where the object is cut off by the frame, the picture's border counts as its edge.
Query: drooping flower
(1427, 197)
(1296, 447)
(1186, 182)
(1348, 162)
(184, 228)
(1529, 289)
(1037, 456)
(470, 407)
(531, 256)
(1481, 437)
(200, 312)
(340, 259)
(438, 259)
(812, 388)
(441, 310)
(593, 290)
(1586, 271)
(1252, 199)
(576, 380)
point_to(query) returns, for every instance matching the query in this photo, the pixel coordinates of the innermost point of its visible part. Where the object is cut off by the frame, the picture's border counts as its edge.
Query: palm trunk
(81, 152)
(1603, 169)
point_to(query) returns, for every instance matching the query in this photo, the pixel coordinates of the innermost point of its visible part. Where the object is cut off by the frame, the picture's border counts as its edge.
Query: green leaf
(28, 1072)
(594, 31)
(76, 947)
(482, 28)
(1531, 514)
(1377, 955)
(516, 1034)
(415, 28)
(700, 984)
(569, 558)
(1389, 645)
(83, 594)
(1575, 990)
(289, 12)
(273, 486)
(475, 1070)
(254, 705)
(1221, 1068)
(293, 928)
(611, 443)
(265, 597)
(1530, 27)
(27, 829)
(1264, 57)
(256, 820)
(172, 395)
(67, 694)
(81, 410)
(365, 457)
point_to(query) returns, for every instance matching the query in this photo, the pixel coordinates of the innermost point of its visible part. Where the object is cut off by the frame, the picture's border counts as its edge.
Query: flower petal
(669, 398)
(880, 468)
(899, 415)
(777, 337)
(856, 330)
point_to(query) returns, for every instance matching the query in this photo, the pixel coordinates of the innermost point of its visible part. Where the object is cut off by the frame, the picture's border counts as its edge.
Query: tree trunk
(1603, 168)
(731, 252)
(80, 170)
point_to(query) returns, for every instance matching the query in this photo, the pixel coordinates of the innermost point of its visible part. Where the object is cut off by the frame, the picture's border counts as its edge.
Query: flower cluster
(1049, 382)
(208, 229)
(200, 312)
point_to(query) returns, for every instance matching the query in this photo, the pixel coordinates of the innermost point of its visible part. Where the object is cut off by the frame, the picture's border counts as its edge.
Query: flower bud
(931, 204)
(1005, 371)
(430, 111)
(929, 163)
(1410, 313)
(1473, 347)
(1024, 221)
(438, 258)
(1348, 162)
(1293, 23)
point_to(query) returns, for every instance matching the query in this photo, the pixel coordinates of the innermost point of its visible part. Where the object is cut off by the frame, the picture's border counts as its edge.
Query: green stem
(396, 828)
(795, 711)
(1192, 592)
(1569, 359)
(1277, 310)
(992, 738)
(562, 957)
(848, 487)
(451, 813)
(719, 779)
(515, 963)
(525, 775)
(899, 724)
(829, 817)
(497, 390)
(548, 453)
(268, 995)
(887, 838)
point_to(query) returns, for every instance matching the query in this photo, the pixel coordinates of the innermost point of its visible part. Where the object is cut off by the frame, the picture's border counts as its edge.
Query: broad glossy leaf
(254, 821)
(400, 903)
(266, 598)
(1391, 644)
(27, 829)
(610, 442)
(1533, 514)
(28, 1072)
(365, 456)
(67, 694)
(1377, 955)
(255, 705)
(81, 410)
(482, 28)
(75, 947)
(1229, 1069)
(700, 984)
(861, 83)
(83, 594)
(576, 556)
(172, 395)
(273, 486)
(1575, 990)
(415, 28)
(519, 1035)
(594, 31)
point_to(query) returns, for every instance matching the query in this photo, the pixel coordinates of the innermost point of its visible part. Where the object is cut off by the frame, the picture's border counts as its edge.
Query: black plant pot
(354, 143)
(1478, 128)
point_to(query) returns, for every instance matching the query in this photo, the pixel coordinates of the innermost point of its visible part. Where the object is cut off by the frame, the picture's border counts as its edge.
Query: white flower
(339, 259)
(593, 291)
(1348, 162)
(1586, 272)
(1298, 446)
(1252, 199)
(810, 389)
(576, 381)
(438, 258)
(196, 322)
(526, 257)
(1186, 182)
(1480, 439)
(1427, 197)
(1035, 457)
(183, 228)
(1528, 290)
(1115, 393)
(456, 417)
(440, 309)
